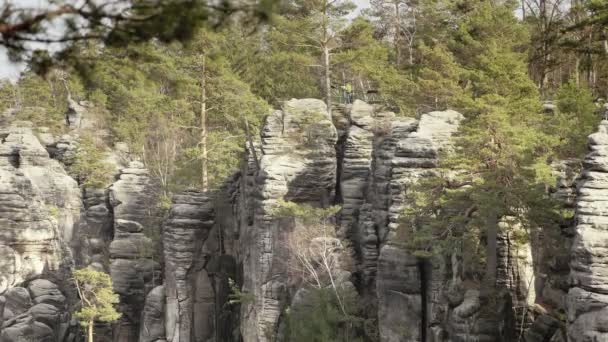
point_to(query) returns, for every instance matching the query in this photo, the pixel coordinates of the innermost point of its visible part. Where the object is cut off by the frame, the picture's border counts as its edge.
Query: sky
(11, 70)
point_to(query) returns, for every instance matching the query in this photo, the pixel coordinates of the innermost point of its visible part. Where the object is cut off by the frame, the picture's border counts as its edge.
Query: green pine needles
(97, 299)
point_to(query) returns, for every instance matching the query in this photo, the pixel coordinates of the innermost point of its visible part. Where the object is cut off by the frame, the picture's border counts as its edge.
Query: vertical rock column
(588, 295)
(407, 157)
(297, 163)
(132, 265)
(39, 206)
(190, 299)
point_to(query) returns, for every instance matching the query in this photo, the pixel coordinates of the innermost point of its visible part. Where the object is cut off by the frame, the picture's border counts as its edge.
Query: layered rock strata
(189, 289)
(588, 297)
(297, 162)
(134, 260)
(39, 209)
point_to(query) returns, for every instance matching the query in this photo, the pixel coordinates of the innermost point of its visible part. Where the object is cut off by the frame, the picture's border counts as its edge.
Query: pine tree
(97, 299)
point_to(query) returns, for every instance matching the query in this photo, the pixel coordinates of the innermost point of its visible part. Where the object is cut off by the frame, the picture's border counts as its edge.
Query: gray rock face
(399, 289)
(515, 270)
(297, 163)
(35, 313)
(46, 292)
(153, 317)
(190, 302)
(382, 157)
(39, 209)
(96, 227)
(133, 266)
(210, 244)
(588, 296)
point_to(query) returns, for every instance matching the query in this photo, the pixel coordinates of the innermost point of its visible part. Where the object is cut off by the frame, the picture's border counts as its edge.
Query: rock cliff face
(133, 266)
(189, 284)
(50, 225)
(588, 297)
(297, 159)
(39, 212)
(215, 268)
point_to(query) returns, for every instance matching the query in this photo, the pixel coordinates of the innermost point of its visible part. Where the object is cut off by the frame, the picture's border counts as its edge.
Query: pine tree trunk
(203, 129)
(90, 331)
(491, 255)
(577, 75)
(397, 34)
(327, 76)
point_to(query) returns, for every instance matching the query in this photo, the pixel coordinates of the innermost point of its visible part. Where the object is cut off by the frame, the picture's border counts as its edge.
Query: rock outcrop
(297, 159)
(36, 313)
(217, 270)
(189, 286)
(39, 209)
(588, 296)
(134, 261)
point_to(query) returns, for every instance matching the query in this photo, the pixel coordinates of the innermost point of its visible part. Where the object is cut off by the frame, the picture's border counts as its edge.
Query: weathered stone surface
(44, 291)
(18, 301)
(39, 209)
(153, 317)
(465, 323)
(27, 330)
(42, 319)
(408, 153)
(297, 163)
(132, 268)
(399, 296)
(515, 270)
(588, 297)
(185, 232)
(544, 327)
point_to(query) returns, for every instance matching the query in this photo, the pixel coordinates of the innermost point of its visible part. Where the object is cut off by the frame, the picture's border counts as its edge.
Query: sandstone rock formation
(588, 296)
(190, 304)
(297, 163)
(134, 265)
(180, 285)
(39, 209)
(36, 313)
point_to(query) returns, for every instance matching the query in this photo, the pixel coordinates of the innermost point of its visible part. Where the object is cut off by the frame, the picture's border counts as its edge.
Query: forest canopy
(190, 95)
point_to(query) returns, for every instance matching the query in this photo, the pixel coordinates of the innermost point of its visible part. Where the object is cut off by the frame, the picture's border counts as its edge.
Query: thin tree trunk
(491, 253)
(327, 75)
(203, 127)
(326, 59)
(90, 331)
(251, 145)
(577, 75)
(397, 33)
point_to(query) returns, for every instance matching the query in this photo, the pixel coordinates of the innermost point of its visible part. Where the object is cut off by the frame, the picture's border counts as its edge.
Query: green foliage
(89, 165)
(502, 151)
(97, 297)
(8, 98)
(43, 101)
(278, 69)
(152, 93)
(116, 26)
(236, 296)
(363, 59)
(304, 212)
(54, 211)
(574, 119)
(318, 317)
